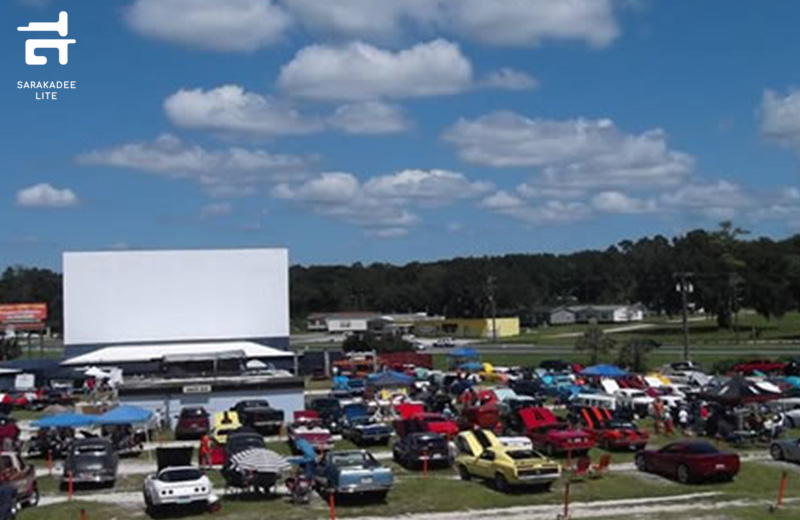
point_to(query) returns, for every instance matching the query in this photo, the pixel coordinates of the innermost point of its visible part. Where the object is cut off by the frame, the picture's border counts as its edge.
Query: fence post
(566, 499)
(69, 485)
(50, 462)
(782, 489)
(332, 504)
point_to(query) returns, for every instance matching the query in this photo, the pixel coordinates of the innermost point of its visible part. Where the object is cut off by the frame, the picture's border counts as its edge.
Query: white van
(595, 400)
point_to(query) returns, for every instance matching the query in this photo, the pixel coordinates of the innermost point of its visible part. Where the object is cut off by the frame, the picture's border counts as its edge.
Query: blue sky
(354, 130)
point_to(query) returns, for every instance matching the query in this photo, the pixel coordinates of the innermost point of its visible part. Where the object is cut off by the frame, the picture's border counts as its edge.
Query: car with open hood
(612, 433)
(482, 455)
(552, 435)
(177, 483)
(689, 461)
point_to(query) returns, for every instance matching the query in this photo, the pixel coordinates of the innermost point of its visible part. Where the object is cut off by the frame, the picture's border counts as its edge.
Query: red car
(759, 365)
(193, 423)
(551, 435)
(426, 422)
(612, 434)
(689, 461)
(308, 426)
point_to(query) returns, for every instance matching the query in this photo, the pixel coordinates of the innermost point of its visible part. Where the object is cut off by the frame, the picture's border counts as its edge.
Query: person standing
(205, 451)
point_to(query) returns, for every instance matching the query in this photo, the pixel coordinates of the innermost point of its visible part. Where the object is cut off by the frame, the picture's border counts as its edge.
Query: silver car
(785, 449)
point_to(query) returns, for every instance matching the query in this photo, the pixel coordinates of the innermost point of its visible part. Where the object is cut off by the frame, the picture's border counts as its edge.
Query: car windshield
(244, 442)
(431, 442)
(356, 459)
(90, 450)
(180, 475)
(326, 404)
(701, 448)
(523, 454)
(432, 419)
(193, 413)
(621, 425)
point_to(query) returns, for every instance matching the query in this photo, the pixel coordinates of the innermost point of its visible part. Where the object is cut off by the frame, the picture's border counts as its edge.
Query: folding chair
(581, 471)
(601, 468)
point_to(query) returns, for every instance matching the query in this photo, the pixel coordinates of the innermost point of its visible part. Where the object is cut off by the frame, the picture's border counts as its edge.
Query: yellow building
(469, 327)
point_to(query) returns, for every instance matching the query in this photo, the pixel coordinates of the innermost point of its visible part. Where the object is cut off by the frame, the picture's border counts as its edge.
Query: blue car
(354, 472)
(360, 429)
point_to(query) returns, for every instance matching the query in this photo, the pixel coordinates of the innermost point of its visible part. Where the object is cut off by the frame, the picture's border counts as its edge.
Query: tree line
(726, 268)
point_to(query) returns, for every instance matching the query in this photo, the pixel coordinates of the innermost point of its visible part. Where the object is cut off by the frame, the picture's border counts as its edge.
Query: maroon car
(193, 423)
(689, 461)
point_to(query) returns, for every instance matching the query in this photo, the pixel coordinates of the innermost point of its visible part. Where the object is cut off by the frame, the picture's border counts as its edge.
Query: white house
(600, 313)
(562, 316)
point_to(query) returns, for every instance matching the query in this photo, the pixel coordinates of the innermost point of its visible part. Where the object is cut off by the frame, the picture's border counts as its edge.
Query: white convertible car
(178, 486)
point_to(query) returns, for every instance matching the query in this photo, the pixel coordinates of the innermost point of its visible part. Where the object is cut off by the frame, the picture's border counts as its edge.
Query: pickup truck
(260, 416)
(15, 472)
(354, 472)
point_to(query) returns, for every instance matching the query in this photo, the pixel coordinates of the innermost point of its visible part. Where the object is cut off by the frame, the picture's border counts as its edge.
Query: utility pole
(685, 287)
(490, 286)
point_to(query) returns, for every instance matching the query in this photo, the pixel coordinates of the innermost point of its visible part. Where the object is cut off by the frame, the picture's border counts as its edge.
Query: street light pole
(684, 287)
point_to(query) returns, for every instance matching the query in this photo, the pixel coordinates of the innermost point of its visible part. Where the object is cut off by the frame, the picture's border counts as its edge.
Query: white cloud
(529, 22)
(359, 71)
(510, 79)
(369, 117)
(381, 203)
(396, 232)
(492, 22)
(435, 185)
(718, 200)
(44, 195)
(575, 153)
(230, 108)
(216, 209)
(780, 118)
(229, 25)
(535, 213)
(618, 202)
(224, 172)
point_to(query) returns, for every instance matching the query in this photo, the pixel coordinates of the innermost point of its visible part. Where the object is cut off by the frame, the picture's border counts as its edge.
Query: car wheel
(641, 463)
(500, 483)
(33, 500)
(463, 472)
(546, 487)
(683, 474)
(395, 457)
(790, 422)
(551, 450)
(776, 452)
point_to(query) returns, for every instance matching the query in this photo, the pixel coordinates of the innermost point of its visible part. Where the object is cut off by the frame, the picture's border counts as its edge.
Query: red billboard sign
(14, 313)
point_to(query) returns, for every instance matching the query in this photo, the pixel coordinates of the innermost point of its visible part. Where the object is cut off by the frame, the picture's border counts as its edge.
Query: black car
(258, 415)
(90, 461)
(529, 387)
(248, 462)
(412, 450)
(556, 365)
(330, 412)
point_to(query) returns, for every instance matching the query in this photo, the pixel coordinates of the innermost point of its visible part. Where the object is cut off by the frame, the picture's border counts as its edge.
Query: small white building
(600, 313)
(562, 316)
(346, 322)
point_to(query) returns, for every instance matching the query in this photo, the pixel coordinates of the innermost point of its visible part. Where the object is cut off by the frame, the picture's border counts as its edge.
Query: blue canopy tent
(389, 378)
(65, 420)
(464, 353)
(604, 371)
(472, 366)
(124, 414)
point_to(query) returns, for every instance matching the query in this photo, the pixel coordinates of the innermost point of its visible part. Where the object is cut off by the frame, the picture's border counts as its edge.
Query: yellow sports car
(481, 455)
(224, 423)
